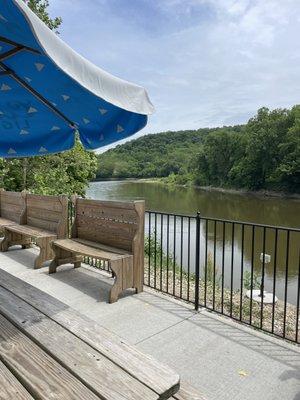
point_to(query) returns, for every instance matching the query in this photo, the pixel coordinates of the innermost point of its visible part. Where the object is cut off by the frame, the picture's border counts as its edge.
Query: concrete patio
(223, 359)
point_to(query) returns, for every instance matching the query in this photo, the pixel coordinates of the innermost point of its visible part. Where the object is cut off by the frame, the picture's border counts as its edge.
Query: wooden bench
(46, 219)
(109, 231)
(12, 208)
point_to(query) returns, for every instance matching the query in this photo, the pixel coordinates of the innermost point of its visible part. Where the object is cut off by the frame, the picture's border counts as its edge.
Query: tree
(39, 7)
(64, 173)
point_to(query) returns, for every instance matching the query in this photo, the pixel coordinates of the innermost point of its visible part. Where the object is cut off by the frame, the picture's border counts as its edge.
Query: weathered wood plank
(101, 246)
(187, 392)
(13, 206)
(80, 248)
(106, 237)
(10, 387)
(31, 231)
(49, 203)
(96, 371)
(49, 226)
(6, 222)
(145, 368)
(40, 213)
(42, 376)
(12, 197)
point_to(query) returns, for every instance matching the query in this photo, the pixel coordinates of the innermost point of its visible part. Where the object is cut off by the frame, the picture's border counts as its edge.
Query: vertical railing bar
(197, 261)
(149, 248)
(161, 248)
(205, 265)
(155, 248)
(168, 241)
(286, 281)
(214, 265)
(298, 303)
(274, 278)
(223, 266)
(231, 272)
(181, 255)
(242, 273)
(252, 268)
(174, 254)
(188, 260)
(262, 288)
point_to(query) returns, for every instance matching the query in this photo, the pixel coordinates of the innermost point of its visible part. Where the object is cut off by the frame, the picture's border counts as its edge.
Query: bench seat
(90, 249)
(73, 251)
(31, 231)
(6, 222)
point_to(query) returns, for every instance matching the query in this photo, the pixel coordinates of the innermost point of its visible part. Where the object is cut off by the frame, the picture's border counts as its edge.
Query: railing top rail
(285, 228)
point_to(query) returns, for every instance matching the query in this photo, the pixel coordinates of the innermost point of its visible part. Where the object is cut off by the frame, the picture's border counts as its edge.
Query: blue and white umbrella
(48, 91)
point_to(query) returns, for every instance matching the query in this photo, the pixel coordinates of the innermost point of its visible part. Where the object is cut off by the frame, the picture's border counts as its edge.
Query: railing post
(197, 261)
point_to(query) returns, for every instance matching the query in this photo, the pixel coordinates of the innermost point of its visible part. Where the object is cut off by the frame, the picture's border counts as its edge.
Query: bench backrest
(116, 224)
(13, 206)
(48, 212)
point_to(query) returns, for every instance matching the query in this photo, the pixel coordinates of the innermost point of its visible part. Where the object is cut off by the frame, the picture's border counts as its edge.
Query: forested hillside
(263, 154)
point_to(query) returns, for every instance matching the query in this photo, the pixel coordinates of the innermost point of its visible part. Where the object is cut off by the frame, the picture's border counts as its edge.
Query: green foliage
(65, 173)
(39, 7)
(157, 155)
(255, 279)
(157, 255)
(263, 154)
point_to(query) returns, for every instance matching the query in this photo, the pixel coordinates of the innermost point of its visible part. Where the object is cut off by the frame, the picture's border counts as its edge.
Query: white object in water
(265, 257)
(256, 296)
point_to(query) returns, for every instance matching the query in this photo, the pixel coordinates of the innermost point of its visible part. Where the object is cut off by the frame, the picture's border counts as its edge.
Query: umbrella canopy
(48, 91)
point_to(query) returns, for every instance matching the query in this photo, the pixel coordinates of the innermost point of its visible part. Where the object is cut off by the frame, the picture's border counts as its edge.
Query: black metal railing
(227, 267)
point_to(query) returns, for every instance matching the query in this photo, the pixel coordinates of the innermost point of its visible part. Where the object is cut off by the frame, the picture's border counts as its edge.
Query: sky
(204, 63)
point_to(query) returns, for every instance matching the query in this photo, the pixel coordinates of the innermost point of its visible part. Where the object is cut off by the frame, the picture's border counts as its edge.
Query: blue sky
(203, 62)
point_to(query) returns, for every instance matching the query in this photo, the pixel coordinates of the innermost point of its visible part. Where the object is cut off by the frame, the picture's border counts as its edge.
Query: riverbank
(260, 193)
(164, 181)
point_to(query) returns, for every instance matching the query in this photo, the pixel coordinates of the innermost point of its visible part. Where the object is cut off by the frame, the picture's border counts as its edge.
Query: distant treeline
(263, 154)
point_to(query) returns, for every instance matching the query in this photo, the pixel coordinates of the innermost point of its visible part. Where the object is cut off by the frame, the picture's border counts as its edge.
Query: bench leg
(46, 253)
(13, 238)
(117, 288)
(63, 257)
(123, 272)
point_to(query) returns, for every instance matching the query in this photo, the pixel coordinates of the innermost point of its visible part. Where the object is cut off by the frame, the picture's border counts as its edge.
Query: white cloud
(216, 63)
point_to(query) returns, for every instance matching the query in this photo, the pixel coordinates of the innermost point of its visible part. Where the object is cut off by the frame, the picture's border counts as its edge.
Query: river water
(231, 206)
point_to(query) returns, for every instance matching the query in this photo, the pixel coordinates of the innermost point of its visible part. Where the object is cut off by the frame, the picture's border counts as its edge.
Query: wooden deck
(48, 350)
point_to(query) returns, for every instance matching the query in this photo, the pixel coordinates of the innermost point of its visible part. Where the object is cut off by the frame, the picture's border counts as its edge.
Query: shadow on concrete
(92, 284)
(258, 342)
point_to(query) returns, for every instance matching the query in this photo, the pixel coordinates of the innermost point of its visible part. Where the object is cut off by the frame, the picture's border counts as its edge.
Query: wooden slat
(53, 216)
(101, 246)
(30, 231)
(6, 222)
(42, 224)
(42, 376)
(97, 372)
(112, 214)
(79, 248)
(187, 392)
(106, 237)
(145, 368)
(49, 203)
(10, 387)
(107, 203)
(12, 198)
(10, 209)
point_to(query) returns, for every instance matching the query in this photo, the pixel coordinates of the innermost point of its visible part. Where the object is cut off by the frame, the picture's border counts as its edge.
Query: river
(276, 211)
